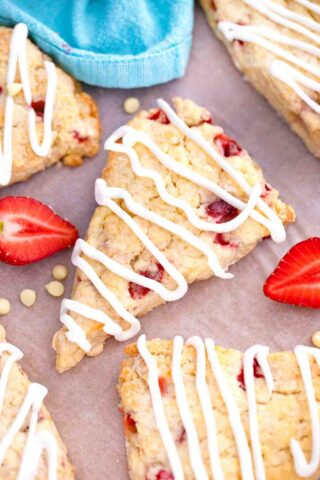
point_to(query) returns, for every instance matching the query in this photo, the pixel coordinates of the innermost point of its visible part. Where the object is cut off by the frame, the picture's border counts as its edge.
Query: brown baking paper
(83, 401)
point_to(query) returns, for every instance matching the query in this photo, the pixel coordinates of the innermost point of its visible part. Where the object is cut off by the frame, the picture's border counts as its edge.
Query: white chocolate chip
(316, 339)
(14, 89)
(28, 297)
(54, 288)
(5, 306)
(60, 272)
(131, 105)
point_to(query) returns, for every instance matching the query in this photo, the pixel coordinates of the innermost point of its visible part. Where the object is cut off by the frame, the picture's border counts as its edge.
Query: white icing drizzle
(159, 413)
(18, 56)
(303, 468)
(197, 464)
(206, 406)
(268, 38)
(261, 354)
(106, 196)
(36, 442)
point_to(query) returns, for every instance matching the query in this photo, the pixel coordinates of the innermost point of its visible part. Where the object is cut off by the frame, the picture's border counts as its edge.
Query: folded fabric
(110, 43)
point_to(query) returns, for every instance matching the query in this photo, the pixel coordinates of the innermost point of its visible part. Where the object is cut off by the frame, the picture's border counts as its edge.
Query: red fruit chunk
(221, 211)
(296, 280)
(160, 117)
(1, 89)
(138, 291)
(129, 423)
(31, 231)
(267, 188)
(221, 240)
(78, 137)
(163, 385)
(227, 146)
(257, 372)
(206, 118)
(38, 107)
(182, 435)
(164, 475)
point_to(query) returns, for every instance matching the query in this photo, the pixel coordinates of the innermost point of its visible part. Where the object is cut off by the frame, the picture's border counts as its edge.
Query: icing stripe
(36, 442)
(160, 417)
(303, 468)
(18, 56)
(261, 353)
(185, 413)
(206, 406)
(107, 196)
(233, 412)
(278, 68)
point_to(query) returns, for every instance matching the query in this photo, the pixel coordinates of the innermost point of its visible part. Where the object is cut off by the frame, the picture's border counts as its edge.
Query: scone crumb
(55, 288)
(5, 306)
(316, 339)
(59, 272)
(28, 297)
(131, 105)
(14, 89)
(72, 160)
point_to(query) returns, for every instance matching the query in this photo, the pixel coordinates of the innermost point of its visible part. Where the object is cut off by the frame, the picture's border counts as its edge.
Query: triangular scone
(110, 235)
(30, 446)
(75, 123)
(275, 44)
(210, 413)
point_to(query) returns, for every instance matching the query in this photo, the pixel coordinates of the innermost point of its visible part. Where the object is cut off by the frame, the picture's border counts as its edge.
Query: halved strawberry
(31, 231)
(296, 280)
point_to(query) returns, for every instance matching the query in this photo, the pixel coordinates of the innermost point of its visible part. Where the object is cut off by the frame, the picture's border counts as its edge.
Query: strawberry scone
(196, 411)
(275, 44)
(179, 201)
(45, 116)
(30, 446)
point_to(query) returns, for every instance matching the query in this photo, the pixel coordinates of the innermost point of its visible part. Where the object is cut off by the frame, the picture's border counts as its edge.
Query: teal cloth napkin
(110, 43)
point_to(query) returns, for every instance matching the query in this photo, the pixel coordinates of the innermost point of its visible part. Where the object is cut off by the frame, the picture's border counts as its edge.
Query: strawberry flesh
(77, 136)
(257, 372)
(296, 280)
(220, 239)
(31, 231)
(160, 117)
(227, 146)
(164, 475)
(138, 291)
(38, 106)
(129, 423)
(221, 211)
(163, 385)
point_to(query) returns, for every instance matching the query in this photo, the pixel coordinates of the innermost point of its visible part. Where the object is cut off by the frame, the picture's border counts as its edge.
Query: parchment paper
(83, 401)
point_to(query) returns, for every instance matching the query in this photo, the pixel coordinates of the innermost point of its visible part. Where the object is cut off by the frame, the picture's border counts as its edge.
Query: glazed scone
(30, 446)
(75, 124)
(212, 403)
(275, 44)
(112, 237)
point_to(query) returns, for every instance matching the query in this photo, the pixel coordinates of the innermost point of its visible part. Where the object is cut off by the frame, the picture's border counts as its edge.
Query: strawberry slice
(31, 231)
(296, 280)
